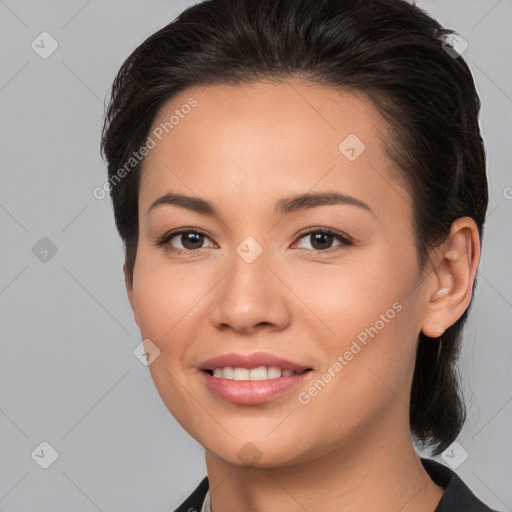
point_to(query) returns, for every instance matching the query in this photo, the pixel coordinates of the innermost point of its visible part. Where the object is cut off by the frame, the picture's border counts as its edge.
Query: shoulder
(194, 502)
(457, 495)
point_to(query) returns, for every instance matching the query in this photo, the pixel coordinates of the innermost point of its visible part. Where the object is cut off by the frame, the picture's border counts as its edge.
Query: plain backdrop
(69, 374)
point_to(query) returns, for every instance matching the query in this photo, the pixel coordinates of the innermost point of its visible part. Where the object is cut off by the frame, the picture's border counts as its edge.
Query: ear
(128, 281)
(450, 285)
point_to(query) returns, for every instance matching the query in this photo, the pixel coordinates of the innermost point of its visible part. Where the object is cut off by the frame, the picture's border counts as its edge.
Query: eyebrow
(284, 206)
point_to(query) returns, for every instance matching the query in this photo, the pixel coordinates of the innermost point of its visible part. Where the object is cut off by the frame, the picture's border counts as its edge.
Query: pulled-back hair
(389, 50)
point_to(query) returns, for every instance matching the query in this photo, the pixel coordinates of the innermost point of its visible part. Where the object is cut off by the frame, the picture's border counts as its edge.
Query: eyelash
(344, 239)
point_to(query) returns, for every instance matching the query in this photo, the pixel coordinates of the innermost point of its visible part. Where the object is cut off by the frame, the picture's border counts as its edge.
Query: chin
(256, 454)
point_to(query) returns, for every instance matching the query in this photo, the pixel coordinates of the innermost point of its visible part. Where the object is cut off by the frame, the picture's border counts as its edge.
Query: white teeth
(241, 374)
(260, 373)
(274, 372)
(227, 373)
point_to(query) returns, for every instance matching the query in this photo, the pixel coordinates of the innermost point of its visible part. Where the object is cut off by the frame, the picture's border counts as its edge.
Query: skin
(242, 148)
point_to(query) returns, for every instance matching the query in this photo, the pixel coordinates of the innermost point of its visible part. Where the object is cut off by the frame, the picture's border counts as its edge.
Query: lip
(251, 361)
(252, 392)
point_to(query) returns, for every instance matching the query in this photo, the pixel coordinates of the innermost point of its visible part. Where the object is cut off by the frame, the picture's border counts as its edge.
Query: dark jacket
(457, 496)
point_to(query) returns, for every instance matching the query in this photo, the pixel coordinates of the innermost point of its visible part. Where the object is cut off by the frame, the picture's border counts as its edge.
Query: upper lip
(251, 361)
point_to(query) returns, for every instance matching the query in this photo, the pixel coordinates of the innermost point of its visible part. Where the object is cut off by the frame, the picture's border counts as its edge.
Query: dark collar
(457, 496)
(195, 501)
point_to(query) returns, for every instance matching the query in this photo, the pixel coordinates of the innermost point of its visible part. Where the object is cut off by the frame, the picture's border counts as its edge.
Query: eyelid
(164, 240)
(345, 240)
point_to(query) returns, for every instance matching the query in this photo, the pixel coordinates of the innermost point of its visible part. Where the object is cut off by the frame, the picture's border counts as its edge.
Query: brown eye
(185, 240)
(321, 240)
(191, 240)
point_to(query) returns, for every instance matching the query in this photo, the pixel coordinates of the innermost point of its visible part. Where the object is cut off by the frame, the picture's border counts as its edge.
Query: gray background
(69, 374)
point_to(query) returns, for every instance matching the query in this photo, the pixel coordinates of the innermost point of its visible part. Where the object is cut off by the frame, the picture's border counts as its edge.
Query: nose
(251, 297)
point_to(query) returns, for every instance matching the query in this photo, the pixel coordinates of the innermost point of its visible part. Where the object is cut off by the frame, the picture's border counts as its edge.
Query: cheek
(371, 312)
(367, 373)
(164, 296)
(353, 296)
(164, 300)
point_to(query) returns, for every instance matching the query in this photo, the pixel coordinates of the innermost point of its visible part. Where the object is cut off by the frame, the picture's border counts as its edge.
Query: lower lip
(251, 392)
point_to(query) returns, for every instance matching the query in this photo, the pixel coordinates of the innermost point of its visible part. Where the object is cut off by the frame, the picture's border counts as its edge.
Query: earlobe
(452, 278)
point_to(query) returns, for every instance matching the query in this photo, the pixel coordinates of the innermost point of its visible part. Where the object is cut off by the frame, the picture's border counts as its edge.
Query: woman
(300, 188)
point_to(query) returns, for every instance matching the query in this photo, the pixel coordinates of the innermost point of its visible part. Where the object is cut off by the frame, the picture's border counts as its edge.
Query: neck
(385, 474)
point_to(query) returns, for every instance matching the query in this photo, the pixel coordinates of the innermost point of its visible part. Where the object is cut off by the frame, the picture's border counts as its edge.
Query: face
(330, 284)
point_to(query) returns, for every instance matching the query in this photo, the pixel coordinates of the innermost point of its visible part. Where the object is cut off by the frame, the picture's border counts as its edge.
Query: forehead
(287, 115)
(246, 141)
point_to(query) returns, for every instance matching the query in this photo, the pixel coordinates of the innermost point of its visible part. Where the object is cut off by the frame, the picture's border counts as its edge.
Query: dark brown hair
(389, 50)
